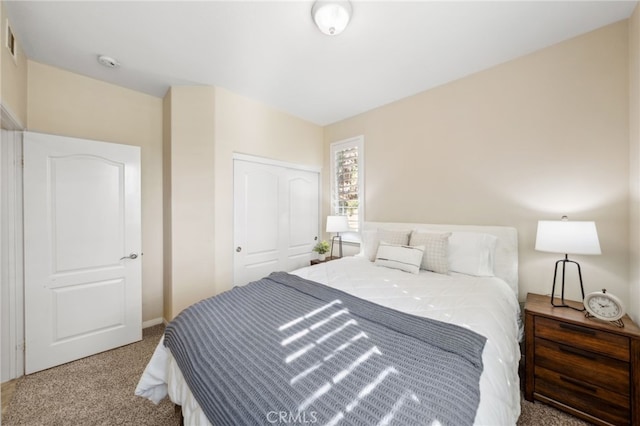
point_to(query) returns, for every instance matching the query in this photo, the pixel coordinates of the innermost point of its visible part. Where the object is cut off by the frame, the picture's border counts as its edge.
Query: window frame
(355, 142)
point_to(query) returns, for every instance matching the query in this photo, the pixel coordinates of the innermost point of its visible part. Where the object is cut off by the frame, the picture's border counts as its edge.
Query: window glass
(347, 186)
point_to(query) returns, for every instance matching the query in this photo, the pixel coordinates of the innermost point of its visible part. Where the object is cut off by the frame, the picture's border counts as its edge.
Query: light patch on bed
(336, 331)
(398, 404)
(370, 388)
(309, 315)
(362, 358)
(344, 346)
(294, 337)
(306, 372)
(334, 421)
(299, 353)
(329, 318)
(317, 394)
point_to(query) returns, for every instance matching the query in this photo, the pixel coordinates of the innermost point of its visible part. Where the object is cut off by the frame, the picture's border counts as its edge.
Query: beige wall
(166, 209)
(545, 135)
(207, 126)
(634, 166)
(188, 254)
(190, 176)
(68, 104)
(13, 85)
(534, 138)
(249, 127)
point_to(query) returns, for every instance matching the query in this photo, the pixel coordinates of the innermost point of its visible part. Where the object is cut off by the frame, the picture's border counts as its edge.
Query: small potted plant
(322, 248)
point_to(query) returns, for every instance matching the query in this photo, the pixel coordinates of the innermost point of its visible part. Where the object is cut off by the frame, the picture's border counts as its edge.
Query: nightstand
(586, 367)
(327, 259)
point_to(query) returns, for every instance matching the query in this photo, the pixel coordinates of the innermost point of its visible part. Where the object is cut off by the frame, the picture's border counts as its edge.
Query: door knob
(238, 249)
(131, 256)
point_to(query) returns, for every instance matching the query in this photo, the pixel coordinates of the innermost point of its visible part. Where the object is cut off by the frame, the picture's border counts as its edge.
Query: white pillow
(369, 243)
(371, 239)
(472, 253)
(436, 250)
(405, 258)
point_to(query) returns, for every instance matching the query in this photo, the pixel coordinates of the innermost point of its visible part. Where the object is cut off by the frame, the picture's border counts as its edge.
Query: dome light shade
(331, 17)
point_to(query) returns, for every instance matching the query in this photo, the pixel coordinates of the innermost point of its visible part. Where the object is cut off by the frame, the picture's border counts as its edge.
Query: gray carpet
(98, 390)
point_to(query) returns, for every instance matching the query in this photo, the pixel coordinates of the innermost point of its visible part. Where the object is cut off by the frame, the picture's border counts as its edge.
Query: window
(347, 186)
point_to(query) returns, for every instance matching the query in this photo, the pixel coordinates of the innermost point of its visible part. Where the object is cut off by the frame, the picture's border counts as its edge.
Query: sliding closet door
(275, 219)
(301, 228)
(257, 218)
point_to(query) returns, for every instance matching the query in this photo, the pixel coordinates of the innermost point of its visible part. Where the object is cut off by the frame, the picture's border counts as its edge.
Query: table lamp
(564, 236)
(337, 224)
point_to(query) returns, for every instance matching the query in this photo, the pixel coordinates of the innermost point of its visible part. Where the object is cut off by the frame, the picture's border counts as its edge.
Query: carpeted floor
(98, 390)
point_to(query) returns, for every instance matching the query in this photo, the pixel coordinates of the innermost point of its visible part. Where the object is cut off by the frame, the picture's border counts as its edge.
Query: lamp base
(339, 238)
(555, 275)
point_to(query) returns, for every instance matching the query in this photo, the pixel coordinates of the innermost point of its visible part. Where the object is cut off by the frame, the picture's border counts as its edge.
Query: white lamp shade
(568, 237)
(331, 17)
(337, 224)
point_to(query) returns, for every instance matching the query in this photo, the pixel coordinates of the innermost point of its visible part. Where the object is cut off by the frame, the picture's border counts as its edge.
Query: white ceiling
(272, 52)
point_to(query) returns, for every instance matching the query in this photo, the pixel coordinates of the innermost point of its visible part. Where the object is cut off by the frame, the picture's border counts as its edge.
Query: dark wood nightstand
(586, 367)
(327, 259)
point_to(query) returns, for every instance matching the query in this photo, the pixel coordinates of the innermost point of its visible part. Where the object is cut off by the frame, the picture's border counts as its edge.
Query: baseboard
(152, 322)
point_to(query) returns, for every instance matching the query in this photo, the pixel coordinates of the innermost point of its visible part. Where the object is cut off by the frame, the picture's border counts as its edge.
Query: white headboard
(506, 255)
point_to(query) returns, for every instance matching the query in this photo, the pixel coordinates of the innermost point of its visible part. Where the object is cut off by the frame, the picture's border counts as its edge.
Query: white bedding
(487, 305)
(484, 304)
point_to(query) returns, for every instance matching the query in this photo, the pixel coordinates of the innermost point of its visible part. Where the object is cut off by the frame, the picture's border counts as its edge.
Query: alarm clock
(604, 306)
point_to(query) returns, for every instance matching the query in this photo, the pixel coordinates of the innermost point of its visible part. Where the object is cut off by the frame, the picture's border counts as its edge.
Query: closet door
(302, 225)
(275, 219)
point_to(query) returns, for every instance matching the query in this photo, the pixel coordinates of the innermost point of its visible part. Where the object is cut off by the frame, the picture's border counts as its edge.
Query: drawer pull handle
(580, 384)
(574, 351)
(577, 328)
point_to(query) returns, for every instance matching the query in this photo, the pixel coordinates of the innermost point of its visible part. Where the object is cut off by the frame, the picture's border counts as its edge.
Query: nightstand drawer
(584, 366)
(578, 336)
(601, 403)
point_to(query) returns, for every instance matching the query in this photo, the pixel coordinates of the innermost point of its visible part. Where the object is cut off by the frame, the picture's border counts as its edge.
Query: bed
(466, 279)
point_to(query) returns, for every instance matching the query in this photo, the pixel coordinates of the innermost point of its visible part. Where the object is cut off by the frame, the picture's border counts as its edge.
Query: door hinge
(22, 346)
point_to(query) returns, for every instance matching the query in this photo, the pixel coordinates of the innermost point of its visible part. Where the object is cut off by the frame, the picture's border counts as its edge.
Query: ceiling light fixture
(331, 17)
(108, 61)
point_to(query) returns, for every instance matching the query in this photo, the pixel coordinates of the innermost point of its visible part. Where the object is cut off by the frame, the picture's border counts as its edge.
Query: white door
(301, 229)
(82, 240)
(257, 216)
(275, 219)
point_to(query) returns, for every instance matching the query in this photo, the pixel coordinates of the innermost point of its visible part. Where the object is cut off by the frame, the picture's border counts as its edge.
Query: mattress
(487, 305)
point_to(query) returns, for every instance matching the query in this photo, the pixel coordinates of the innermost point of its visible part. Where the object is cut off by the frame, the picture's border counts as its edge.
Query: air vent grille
(11, 41)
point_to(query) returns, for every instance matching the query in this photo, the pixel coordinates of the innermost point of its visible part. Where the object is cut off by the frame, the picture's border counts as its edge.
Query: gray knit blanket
(285, 350)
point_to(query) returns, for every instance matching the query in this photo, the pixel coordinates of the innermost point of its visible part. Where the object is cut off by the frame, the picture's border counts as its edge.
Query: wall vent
(11, 42)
